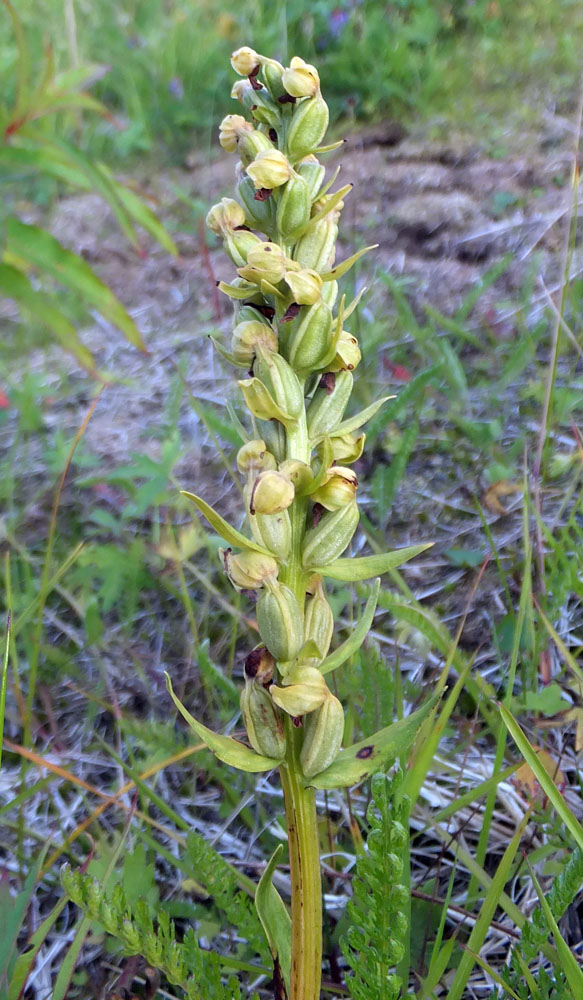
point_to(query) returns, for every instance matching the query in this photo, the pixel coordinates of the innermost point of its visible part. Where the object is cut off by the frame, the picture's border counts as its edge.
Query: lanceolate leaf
(331, 203)
(37, 248)
(223, 528)
(227, 749)
(365, 567)
(15, 285)
(545, 781)
(358, 762)
(345, 265)
(353, 423)
(275, 918)
(348, 648)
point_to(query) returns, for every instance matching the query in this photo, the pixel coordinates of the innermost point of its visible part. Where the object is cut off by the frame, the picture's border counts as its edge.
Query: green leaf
(549, 700)
(275, 918)
(325, 456)
(27, 958)
(358, 762)
(39, 249)
(141, 214)
(15, 285)
(545, 781)
(365, 567)
(223, 528)
(226, 355)
(348, 648)
(331, 203)
(353, 423)
(468, 558)
(236, 291)
(227, 749)
(12, 914)
(345, 265)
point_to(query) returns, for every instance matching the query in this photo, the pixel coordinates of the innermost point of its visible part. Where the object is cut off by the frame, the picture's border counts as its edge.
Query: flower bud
(338, 489)
(323, 735)
(253, 456)
(273, 531)
(347, 447)
(248, 570)
(231, 129)
(301, 79)
(305, 285)
(317, 249)
(280, 621)
(263, 721)
(253, 143)
(330, 537)
(245, 61)
(238, 243)
(310, 342)
(304, 690)
(319, 621)
(271, 493)
(299, 472)
(259, 665)
(248, 337)
(348, 353)
(281, 381)
(274, 435)
(330, 293)
(272, 73)
(313, 173)
(308, 127)
(227, 214)
(295, 205)
(258, 214)
(266, 262)
(269, 169)
(258, 103)
(260, 401)
(328, 404)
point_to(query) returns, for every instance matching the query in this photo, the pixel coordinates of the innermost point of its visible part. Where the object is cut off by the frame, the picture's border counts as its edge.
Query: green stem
(304, 856)
(300, 803)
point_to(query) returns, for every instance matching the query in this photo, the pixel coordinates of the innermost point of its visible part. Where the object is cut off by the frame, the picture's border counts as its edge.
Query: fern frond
(220, 881)
(185, 964)
(562, 893)
(374, 944)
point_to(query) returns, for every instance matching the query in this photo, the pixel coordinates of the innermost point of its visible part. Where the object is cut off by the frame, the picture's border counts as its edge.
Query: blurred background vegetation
(168, 75)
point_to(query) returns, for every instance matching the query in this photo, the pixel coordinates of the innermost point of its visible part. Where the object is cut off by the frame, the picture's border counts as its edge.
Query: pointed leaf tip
(227, 749)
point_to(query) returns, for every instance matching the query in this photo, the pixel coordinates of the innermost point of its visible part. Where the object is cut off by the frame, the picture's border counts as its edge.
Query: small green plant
(301, 507)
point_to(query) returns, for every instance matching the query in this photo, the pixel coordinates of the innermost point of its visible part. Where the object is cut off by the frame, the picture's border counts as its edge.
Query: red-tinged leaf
(41, 250)
(5, 403)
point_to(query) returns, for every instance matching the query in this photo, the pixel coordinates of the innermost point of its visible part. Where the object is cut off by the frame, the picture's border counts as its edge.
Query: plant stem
(306, 898)
(300, 802)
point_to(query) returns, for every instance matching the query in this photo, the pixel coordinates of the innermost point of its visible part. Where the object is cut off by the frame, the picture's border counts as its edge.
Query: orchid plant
(301, 512)
(289, 336)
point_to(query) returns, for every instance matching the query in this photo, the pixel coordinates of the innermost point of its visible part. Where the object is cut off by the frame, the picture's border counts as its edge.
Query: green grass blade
(545, 781)
(489, 907)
